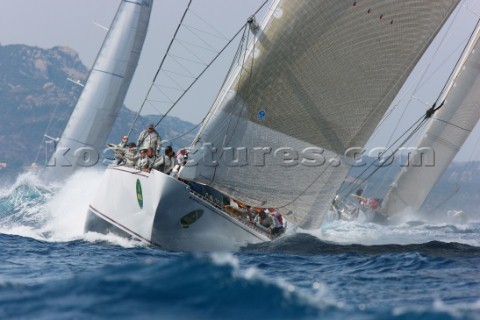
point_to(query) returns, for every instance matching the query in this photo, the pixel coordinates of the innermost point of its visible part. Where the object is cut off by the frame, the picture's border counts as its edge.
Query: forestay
(315, 83)
(96, 110)
(449, 128)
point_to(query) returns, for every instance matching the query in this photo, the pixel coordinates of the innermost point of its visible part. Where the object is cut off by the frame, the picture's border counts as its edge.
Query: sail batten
(323, 73)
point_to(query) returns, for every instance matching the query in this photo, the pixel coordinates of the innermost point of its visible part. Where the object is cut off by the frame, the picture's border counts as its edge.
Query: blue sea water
(50, 269)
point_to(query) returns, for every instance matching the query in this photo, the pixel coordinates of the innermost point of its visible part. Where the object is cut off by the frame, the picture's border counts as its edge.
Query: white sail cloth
(315, 84)
(86, 132)
(449, 128)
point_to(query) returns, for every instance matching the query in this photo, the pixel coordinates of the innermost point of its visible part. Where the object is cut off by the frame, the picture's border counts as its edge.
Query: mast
(85, 134)
(450, 126)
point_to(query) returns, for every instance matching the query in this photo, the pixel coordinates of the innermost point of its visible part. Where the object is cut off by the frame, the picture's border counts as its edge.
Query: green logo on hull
(139, 194)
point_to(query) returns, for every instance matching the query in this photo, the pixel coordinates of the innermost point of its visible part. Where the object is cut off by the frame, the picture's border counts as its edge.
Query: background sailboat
(450, 126)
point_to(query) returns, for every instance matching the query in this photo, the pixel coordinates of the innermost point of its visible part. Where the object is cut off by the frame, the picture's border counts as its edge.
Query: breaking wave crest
(51, 212)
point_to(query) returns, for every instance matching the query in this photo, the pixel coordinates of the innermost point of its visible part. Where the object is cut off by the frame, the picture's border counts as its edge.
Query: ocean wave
(142, 283)
(185, 287)
(304, 243)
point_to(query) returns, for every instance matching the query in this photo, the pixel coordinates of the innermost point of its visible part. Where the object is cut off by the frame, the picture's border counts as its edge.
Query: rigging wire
(206, 116)
(50, 123)
(227, 139)
(416, 126)
(240, 53)
(381, 185)
(237, 56)
(199, 76)
(221, 35)
(195, 78)
(189, 131)
(206, 68)
(160, 67)
(420, 83)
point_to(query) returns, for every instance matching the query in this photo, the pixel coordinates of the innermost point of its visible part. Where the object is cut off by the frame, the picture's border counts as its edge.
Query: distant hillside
(32, 86)
(36, 98)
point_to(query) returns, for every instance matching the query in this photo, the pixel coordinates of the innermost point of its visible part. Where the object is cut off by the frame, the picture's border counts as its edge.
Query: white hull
(163, 213)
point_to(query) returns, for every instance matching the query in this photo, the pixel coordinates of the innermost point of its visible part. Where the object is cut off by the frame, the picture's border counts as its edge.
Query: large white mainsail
(315, 84)
(449, 128)
(97, 108)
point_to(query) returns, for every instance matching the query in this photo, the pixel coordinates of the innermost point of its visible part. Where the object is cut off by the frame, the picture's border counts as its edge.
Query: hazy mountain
(37, 98)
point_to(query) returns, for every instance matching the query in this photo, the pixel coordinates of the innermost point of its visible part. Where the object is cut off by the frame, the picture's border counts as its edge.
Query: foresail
(449, 128)
(315, 84)
(90, 124)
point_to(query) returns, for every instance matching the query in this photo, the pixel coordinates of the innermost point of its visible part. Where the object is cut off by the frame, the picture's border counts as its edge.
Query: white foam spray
(405, 228)
(57, 211)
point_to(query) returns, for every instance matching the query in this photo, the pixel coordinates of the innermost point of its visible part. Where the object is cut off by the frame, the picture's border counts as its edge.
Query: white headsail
(315, 84)
(96, 110)
(449, 128)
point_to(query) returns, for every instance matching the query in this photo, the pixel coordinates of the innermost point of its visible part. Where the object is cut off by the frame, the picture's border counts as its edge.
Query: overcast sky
(48, 23)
